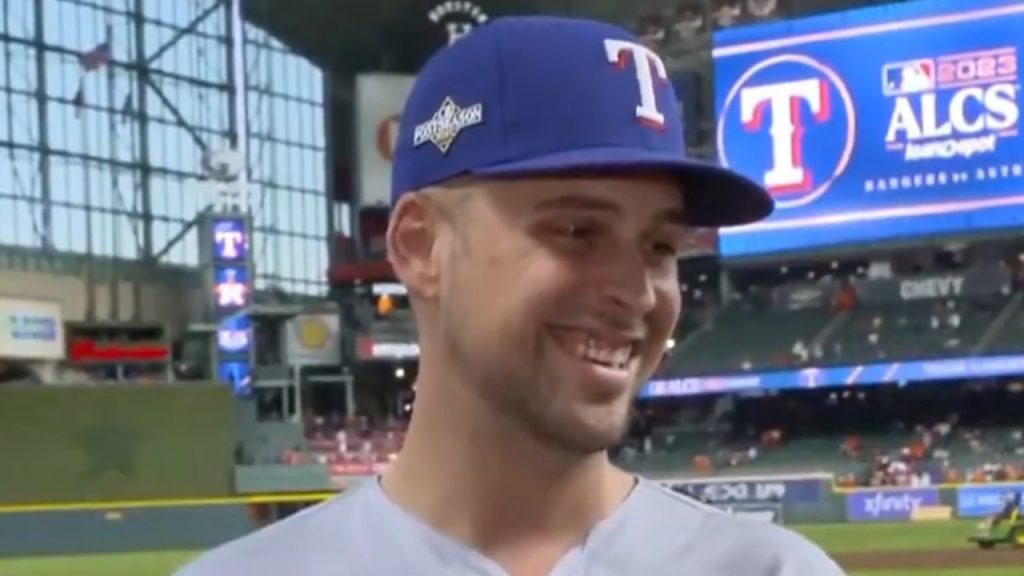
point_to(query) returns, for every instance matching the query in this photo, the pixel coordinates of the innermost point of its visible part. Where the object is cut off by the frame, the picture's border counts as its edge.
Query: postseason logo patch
(445, 125)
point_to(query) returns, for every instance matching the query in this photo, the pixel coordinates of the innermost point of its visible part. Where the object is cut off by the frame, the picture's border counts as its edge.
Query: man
(1011, 509)
(541, 196)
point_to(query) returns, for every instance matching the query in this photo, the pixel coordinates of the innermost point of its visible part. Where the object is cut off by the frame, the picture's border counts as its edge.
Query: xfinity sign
(869, 505)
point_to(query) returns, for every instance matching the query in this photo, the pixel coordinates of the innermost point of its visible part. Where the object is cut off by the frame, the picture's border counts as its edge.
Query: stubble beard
(516, 395)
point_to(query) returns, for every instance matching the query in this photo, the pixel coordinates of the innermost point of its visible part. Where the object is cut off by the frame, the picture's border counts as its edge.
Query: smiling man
(541, 198)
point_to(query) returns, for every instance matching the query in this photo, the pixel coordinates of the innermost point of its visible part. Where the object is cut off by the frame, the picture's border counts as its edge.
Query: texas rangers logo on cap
(444, 126)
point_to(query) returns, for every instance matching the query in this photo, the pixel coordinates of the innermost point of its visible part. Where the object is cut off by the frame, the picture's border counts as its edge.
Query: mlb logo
(908, 77)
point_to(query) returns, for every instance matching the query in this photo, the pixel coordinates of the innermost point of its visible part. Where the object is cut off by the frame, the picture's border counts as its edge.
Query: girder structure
(107, 108)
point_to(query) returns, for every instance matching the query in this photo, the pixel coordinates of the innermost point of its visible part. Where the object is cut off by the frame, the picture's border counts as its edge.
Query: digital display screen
(234, 335)
(880, 123)
(230, 295)
(837, 376)
(236, 373)
(230, 240)
(231, 287)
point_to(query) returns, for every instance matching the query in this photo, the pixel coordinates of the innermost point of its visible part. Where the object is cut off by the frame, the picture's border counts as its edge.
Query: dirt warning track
(925, 559)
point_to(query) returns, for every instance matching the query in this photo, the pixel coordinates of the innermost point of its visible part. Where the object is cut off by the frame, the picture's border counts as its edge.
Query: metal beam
(145, 172)
(181, 234)
(142, 126)
(44, 128)
(178, 118)
(144, 68)
(190, 27)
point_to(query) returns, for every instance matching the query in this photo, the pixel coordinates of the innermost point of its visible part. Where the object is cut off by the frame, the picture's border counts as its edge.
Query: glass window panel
(97, 203)
(17, 18)
(70, 226)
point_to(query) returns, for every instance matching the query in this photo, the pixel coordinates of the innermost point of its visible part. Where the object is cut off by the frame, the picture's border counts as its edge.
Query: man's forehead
(590, 191)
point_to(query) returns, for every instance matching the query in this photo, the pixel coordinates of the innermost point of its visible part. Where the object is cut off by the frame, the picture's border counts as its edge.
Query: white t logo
(618, 52)
(787, 171)
(230, 242)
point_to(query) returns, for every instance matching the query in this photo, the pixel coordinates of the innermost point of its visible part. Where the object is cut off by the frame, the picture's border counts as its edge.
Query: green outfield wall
(115, 442)
(115, 530)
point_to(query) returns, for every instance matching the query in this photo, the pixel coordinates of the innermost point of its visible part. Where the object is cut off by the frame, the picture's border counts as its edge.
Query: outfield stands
(965, 312)
(742, 337)
(928, 328)
(929, 433)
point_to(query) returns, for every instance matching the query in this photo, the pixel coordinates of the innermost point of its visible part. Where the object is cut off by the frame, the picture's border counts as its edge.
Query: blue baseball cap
(537, 94)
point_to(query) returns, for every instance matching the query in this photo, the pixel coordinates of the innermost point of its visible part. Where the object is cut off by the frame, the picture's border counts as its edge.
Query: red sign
(89, 350)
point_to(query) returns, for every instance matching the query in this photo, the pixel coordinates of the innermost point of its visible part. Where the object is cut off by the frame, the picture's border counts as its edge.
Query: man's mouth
(604, 350)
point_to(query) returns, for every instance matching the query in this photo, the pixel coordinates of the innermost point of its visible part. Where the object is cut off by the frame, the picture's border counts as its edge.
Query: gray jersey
(654, 532)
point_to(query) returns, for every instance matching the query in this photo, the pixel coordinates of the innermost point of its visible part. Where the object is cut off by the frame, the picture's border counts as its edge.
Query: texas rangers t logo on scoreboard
(229, 239)
(791, 120)
(952, 106)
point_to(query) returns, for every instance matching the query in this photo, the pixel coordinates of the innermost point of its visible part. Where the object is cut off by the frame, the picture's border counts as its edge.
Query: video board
(226, 238)
(871, 374)
(874, 124)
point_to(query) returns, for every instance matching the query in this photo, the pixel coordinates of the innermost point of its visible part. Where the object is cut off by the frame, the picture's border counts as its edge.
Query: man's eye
(577, 230)
(665, 249)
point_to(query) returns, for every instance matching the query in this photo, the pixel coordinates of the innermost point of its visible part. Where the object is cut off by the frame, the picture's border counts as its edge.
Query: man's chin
(586, 433)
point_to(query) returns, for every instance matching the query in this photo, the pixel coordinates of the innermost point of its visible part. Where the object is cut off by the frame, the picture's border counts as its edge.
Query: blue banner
(888, 504)
(835, 376)
(979, 500)
(786, 490)
(885, 122)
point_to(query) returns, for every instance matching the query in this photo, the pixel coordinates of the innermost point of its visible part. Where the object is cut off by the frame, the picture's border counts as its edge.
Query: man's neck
(473, 479)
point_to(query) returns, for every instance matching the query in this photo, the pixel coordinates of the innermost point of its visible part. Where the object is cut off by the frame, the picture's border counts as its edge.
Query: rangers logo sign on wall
(800, 113)
(458, 17)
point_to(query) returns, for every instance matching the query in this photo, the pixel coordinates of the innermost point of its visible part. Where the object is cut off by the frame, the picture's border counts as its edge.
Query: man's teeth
(600, 353)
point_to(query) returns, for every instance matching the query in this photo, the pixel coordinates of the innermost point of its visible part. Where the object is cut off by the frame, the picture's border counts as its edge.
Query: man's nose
(628, 284)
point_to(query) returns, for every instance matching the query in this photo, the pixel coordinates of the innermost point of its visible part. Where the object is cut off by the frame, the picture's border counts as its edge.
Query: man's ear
(411, 242)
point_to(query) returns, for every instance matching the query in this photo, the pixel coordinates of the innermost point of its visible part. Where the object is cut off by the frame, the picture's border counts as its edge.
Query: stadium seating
(742, 338)
(1010, 338)
(917, 329)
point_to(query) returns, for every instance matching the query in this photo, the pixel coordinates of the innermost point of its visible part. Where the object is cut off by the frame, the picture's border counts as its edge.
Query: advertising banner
(871, 374)
(979, 500)
(888, 504)
(31, 330)
(755, 490)
(975, 282)
(805, 295)
(884, 122)
(380, 99)
(759, 513)
(312, 340)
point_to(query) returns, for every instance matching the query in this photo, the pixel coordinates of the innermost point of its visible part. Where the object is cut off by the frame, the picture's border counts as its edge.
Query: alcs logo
(789, 122)
(957, 105)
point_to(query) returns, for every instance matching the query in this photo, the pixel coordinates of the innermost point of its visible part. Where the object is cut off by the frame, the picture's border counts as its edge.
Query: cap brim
(715, 197)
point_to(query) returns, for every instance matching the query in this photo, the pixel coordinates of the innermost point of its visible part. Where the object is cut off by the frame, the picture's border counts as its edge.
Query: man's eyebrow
(674, 215)
(577, 202)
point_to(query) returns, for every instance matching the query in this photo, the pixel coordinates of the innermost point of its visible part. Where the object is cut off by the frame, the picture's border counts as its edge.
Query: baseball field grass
(940, 548)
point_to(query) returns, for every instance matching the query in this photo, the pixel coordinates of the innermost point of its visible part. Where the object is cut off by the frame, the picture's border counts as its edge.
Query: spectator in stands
(846, 298)
(800, 351)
